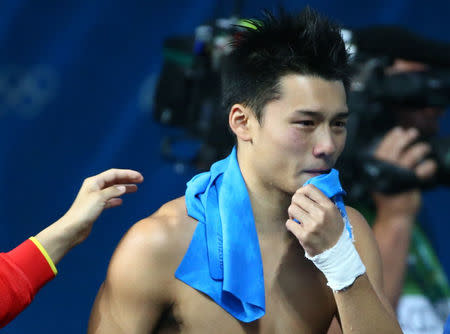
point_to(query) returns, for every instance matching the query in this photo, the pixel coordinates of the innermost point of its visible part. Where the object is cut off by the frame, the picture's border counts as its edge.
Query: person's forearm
(58, 239)
(393, 236)
(361, 311)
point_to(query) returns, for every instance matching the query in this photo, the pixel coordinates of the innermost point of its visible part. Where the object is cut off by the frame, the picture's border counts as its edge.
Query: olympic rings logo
(25, 92)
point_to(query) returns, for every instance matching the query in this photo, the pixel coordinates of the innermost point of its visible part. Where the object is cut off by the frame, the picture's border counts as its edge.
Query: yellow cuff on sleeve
(44, 252)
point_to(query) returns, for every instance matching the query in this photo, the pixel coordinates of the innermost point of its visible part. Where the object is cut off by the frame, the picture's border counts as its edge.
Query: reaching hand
(100, 192)
(97, 193)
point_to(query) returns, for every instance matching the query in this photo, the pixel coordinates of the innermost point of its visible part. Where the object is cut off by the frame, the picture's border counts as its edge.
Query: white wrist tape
(340, 264)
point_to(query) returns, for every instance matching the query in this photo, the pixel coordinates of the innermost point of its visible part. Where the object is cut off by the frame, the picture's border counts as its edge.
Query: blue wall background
(76, 85)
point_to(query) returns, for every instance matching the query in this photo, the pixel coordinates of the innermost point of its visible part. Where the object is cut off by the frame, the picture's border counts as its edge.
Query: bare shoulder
(361, 228)
(166, 228)
(365, 242)
(368, 250)
(367, 247)
(140, 282)
(165, 234)
(363, 235)
(152, 249)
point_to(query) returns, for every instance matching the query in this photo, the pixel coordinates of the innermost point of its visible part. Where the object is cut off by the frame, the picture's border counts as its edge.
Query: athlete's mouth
(318, 171)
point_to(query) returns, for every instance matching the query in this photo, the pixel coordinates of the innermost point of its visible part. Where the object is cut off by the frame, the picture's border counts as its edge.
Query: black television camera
(188, 92)
(372, 95)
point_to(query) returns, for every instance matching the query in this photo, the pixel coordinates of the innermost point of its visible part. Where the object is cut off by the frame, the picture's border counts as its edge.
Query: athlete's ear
(240, 120)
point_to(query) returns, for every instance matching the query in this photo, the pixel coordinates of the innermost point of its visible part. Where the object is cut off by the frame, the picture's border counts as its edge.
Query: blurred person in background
(28, 267)
(414, 280)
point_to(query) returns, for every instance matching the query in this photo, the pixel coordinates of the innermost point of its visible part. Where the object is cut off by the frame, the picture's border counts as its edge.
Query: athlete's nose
(325, 145)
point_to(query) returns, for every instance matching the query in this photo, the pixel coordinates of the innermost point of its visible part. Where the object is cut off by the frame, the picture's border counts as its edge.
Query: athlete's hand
(321, 223)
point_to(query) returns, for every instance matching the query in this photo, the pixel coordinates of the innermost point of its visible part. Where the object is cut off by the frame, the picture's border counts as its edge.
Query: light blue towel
(224, 259)
(329, 184)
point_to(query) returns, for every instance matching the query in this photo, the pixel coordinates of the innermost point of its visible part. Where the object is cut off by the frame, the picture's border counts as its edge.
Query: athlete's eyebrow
(321, 114)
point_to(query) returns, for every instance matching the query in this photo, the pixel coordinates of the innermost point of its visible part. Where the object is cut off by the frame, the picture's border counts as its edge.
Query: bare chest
(297, 300)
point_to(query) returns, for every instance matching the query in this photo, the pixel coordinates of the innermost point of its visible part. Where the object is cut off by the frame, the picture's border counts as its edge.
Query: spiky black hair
(307, 44)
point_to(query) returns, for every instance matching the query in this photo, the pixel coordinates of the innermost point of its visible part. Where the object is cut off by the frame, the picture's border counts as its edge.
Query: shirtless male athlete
(285, 90)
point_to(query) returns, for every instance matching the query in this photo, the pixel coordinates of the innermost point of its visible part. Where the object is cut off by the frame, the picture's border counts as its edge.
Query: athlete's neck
(269, 204)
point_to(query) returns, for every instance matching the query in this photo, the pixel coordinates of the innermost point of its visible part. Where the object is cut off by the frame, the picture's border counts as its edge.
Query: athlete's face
(301, 134)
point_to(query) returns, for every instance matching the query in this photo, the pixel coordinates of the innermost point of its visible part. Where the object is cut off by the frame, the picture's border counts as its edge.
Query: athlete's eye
(340, 124)
(306, 123)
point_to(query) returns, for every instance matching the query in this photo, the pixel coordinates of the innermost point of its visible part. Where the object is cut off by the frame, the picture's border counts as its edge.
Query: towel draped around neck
(224, 258)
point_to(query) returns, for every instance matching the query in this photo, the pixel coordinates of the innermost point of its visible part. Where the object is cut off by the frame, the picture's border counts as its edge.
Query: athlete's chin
(300, 181)
(296, 184)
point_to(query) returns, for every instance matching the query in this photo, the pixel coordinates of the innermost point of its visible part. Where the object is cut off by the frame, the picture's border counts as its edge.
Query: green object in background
(247, 23)
(425, 275)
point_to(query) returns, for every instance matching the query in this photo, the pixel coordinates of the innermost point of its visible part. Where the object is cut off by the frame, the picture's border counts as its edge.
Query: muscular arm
(363, 308)
(396, 213)
(393, 234)
(138, 283)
